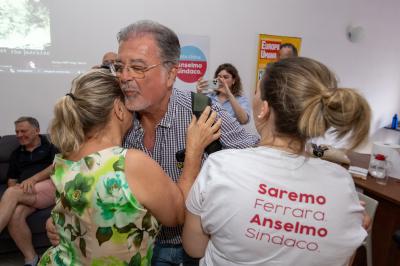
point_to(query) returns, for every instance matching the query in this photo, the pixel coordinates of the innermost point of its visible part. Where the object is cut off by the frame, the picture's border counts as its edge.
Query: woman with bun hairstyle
(273, 204)
(111, 201)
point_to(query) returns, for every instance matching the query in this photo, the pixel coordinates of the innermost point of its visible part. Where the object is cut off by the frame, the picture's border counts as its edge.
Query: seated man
(29, 186)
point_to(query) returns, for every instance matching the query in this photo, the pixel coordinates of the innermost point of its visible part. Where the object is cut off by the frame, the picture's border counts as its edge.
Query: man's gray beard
(135, 107)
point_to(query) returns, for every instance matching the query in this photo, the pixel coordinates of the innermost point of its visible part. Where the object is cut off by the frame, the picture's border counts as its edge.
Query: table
(387, 217)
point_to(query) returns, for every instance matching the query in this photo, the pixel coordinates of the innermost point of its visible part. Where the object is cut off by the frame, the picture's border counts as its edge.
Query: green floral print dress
(98, 219)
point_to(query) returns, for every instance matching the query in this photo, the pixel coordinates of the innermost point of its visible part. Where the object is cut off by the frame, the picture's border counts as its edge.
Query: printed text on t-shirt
(276, 222)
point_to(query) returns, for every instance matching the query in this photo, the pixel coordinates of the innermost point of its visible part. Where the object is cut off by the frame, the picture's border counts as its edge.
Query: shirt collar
(170, 114)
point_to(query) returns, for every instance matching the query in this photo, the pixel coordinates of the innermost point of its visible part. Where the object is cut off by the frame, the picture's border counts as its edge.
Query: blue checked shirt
(171, 137)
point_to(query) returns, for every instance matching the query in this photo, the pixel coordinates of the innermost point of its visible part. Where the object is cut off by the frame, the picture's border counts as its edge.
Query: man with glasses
(147, 66)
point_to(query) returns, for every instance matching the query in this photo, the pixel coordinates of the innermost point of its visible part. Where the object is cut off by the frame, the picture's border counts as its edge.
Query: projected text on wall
(26, 41)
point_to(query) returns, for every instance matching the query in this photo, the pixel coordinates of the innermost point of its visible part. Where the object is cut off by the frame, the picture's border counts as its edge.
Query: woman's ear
(118, 109)
(264, 110)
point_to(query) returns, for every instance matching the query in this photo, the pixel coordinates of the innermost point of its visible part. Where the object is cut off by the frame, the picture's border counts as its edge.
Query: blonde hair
(85, 108)
(306, 101)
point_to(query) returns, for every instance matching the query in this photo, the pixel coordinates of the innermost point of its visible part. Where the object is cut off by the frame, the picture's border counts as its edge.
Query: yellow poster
(268, 50)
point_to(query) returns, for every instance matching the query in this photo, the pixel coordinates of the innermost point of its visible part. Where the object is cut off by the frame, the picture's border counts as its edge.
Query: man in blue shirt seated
(29, 186)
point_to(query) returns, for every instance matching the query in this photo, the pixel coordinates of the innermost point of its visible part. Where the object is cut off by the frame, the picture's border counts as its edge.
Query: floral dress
(99, 220)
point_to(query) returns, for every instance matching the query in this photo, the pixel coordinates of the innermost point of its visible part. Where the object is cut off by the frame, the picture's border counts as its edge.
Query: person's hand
(28, 185)
(52, 232)
(201, 85)
(202, 132)
(366, 223)
(224, 88)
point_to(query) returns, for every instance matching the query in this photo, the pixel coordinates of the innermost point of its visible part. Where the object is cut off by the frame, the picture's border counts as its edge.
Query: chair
(370, 208)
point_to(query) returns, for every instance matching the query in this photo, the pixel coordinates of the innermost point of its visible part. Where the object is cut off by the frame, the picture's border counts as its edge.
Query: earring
(259, 116)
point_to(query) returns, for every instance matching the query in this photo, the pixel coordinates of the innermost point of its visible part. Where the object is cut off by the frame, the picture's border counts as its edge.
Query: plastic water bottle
(394, 122)
(377, 168)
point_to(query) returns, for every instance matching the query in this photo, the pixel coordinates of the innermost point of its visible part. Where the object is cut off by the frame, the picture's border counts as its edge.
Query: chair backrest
(370, 205)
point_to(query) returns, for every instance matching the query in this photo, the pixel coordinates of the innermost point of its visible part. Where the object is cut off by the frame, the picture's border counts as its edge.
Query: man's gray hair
(32, 121)
(166, 39)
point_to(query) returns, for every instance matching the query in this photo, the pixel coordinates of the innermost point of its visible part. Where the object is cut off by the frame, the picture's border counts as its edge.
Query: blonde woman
(110, 200)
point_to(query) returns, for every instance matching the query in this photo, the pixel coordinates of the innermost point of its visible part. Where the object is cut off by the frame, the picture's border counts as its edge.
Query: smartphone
(211, 86)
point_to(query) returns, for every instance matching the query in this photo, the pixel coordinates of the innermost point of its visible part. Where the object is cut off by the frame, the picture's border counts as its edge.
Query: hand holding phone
(207, 86)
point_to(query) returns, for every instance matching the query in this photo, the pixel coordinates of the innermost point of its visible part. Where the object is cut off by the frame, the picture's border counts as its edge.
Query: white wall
(372, 65)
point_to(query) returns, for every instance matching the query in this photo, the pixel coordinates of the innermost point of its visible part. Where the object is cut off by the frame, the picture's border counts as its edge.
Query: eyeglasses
(135, 71)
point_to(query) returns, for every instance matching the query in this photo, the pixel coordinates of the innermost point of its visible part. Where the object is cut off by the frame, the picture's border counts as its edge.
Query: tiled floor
(11, 259)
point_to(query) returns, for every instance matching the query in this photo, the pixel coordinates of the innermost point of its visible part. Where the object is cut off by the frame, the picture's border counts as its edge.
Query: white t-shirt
(262, 206)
